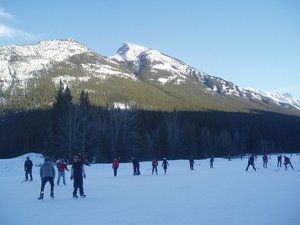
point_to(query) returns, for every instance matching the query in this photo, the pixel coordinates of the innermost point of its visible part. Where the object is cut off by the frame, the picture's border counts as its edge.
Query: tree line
(70, 127)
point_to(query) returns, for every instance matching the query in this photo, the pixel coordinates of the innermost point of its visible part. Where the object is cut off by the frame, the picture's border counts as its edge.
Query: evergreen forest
(70, 127)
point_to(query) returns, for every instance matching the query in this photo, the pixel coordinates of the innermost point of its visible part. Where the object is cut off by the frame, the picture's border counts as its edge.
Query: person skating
(78, 173)
(61, 168)
(165, 165)
(251, 162)
(28, 169)
(47, 174)
(192, 162)
(265, 161)
(287, 162)
(154, 166)
(229, 157)
(136, 166)
(134, 162)
(115, 166)
(212, 159)
(279, 160)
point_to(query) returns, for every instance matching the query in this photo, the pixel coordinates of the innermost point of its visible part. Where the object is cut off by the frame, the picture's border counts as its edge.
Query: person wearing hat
(47, 173)
(28, 169)
(78, 173)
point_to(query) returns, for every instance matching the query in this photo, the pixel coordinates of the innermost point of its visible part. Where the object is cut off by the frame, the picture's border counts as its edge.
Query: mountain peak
(129, 52)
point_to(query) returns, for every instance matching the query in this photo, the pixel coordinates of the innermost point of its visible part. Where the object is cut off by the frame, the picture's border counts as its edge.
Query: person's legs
(30, 174)
(58, 178)
(44, 181)
(64, 177)
(51, 181)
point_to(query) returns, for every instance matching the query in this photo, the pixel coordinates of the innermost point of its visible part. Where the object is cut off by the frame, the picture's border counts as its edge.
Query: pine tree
(86, 134)
(60, 139)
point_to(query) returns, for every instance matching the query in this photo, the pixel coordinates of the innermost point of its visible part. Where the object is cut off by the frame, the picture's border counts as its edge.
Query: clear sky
(252, 43)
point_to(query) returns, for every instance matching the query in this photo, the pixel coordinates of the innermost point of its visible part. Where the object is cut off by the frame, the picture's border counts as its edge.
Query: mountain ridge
(80, 67)
(125, 54)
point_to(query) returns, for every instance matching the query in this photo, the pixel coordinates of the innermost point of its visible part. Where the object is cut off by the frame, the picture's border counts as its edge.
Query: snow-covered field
(224, 195)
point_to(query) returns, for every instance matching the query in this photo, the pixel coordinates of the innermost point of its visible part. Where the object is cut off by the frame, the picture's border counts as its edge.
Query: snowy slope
(179, 73)
(159, 62)
(20, 63)
(224, 195)
(278, 97)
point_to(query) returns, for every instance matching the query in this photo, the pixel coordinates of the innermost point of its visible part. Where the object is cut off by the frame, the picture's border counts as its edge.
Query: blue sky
(250, 43)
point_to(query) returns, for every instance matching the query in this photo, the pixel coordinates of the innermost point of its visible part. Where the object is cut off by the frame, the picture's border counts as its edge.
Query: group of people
(47, 174)
(286, 163)
(136, 166)
(164, 165)
(47, 171)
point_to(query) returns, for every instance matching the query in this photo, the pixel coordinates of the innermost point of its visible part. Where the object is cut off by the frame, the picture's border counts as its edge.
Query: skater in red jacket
(115, 166)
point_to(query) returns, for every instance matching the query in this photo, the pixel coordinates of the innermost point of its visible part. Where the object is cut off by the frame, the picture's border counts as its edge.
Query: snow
(21, 61)
(162, 80)
(225, 194)
(159, 62)
(102, 71)
(129, 52)
(280, 98)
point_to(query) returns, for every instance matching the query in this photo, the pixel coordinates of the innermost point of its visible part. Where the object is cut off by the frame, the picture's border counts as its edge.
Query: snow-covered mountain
(20, 63)
(22, 67)
(136, 57)
(279, 97)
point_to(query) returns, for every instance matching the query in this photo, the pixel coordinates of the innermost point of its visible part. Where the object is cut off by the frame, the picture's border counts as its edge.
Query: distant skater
(229, 157)
(192, 162)
(154, 166)
(212, 159)
(265, 161)
(136, 166)
(165, 165)
(115, 166)
(251, 162)
(28, 169)
(287, 162)
(279, 160)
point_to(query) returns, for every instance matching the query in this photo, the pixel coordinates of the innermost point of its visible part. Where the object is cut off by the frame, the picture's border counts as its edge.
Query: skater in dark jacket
(265, 161)
(212, 159)
(279, 161)
(192, 162)
(165, 165)
(47, 173)
(154, 166)
(78, 173)
(28, 169)
(115, 166)
(136, 166)
(287, 162)
(251, 162)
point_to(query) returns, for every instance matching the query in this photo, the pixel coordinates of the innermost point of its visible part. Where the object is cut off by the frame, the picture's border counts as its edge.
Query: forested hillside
(106, 132)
